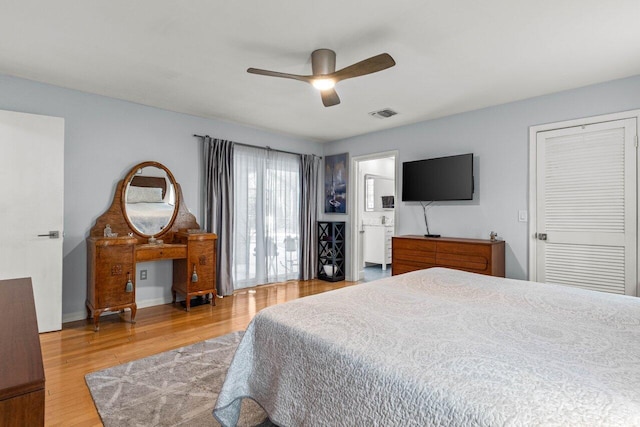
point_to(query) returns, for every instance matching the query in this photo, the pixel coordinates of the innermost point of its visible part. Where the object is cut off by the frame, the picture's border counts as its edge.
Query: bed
(442, 347)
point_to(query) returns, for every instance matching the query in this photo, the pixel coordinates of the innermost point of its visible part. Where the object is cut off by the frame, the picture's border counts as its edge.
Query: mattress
(442, 347)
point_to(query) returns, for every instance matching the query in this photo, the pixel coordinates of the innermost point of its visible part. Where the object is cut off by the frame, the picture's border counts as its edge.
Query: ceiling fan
(325, 76)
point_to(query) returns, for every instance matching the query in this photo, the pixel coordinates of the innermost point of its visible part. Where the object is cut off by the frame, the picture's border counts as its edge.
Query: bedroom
(106, 136)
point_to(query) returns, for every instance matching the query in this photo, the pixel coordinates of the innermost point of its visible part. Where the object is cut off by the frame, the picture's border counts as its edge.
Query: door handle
(542, 236)
(52, 235)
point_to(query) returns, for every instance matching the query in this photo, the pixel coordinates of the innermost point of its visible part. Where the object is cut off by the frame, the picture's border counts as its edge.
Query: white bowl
(329, 270)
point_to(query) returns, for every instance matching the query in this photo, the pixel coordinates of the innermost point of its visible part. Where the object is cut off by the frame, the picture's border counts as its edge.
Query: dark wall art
(336, 176)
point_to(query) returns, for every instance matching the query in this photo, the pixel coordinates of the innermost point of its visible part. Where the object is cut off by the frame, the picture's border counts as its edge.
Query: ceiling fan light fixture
(323, 84)
(325, 76)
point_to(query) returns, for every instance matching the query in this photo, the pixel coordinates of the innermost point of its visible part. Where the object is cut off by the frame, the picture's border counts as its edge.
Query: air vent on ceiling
(383, 114)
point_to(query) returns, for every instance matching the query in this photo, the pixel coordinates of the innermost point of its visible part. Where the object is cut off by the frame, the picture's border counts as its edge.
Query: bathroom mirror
(149, 199)
(379, 193)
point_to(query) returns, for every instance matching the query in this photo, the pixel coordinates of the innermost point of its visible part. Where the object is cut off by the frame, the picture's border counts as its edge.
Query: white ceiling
(191, 56)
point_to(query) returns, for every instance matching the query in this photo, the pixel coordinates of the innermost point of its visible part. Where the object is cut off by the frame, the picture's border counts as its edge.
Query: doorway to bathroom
(374, 219)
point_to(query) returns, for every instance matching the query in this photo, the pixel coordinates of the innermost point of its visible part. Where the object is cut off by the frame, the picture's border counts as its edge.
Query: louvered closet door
(586, 206)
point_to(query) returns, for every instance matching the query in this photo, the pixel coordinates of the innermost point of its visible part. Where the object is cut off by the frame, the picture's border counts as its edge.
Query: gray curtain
(310, 166)
(218, 206)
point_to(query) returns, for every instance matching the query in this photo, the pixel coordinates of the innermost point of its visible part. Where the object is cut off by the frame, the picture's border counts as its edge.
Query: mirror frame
(127, 180)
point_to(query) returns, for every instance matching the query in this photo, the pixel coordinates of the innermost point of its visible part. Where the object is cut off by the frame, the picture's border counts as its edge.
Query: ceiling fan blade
(330, 97)
(307, 79)
(367, 66)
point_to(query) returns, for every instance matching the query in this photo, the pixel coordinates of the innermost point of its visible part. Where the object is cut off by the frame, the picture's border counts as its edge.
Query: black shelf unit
(331, 250)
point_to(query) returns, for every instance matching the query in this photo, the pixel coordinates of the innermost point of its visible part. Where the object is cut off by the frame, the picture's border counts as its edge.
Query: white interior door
(31, 204)
(587, 206)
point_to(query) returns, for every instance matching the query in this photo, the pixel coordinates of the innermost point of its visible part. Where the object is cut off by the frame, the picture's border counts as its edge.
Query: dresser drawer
(417, 255)
(464, 249)
(153, 252)
(474, 258)
(473, 263)
(413, 244)
(408, 266)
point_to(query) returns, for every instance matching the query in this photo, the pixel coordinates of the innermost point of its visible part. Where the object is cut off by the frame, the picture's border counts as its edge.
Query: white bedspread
(150, 218)
(442, 347)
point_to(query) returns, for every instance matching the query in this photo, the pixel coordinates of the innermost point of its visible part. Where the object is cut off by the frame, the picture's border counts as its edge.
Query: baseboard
(153, 302)
(72, 317)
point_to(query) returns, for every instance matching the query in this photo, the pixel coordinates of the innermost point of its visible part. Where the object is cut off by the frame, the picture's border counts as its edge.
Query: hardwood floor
(77, 350)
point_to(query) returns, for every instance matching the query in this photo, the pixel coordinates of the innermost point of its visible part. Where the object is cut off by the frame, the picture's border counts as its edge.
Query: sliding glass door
(266, 216)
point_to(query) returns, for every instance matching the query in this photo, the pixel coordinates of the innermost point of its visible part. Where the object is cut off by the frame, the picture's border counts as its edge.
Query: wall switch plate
(143, 274)
(523, 216)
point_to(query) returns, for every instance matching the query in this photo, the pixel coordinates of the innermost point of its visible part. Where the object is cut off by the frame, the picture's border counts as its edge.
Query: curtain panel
(309, 169)
(218, 206)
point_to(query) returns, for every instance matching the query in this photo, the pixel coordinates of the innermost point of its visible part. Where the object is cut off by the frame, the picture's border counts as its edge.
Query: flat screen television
(439, 179)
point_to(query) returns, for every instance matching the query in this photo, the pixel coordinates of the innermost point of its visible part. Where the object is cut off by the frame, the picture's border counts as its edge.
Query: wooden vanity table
(123, 236)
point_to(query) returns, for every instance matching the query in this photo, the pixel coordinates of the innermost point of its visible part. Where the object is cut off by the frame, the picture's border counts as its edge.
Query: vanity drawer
(114, 267)
(153, 252)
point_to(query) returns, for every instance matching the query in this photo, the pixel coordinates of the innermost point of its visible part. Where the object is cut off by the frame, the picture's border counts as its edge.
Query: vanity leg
(88, 311)
(96, 320)
(187, 303)
(134, 308)
(173, 293)
(213, 298)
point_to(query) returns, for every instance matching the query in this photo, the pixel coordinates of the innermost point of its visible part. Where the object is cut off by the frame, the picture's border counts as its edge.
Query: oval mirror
(149, 199)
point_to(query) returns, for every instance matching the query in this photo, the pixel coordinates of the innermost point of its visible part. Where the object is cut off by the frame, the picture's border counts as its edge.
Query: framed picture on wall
(336, 176)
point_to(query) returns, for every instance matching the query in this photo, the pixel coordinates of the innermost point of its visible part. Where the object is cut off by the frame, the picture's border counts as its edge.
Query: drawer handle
(194, 275)
(129, 286)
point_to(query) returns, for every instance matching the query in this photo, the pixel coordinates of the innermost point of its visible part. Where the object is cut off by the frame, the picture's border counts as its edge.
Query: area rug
(174, 388)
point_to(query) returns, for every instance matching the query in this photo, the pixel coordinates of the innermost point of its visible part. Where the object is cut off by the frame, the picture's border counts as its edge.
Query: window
(266, 216)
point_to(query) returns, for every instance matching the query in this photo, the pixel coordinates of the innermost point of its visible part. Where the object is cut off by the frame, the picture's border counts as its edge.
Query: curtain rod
(255, 146)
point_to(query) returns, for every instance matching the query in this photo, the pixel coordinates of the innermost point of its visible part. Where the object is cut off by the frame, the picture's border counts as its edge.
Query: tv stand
(432, 235)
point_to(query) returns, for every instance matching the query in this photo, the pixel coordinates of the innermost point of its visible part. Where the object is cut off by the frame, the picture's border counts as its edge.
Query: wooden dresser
(410, 253)
(21, 370)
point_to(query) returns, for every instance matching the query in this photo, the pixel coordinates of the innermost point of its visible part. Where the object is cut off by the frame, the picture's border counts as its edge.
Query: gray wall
(104, 139)
(499, 138)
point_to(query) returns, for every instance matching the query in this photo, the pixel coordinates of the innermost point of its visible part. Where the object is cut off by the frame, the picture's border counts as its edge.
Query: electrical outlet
(143, 274)
(523, 216)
